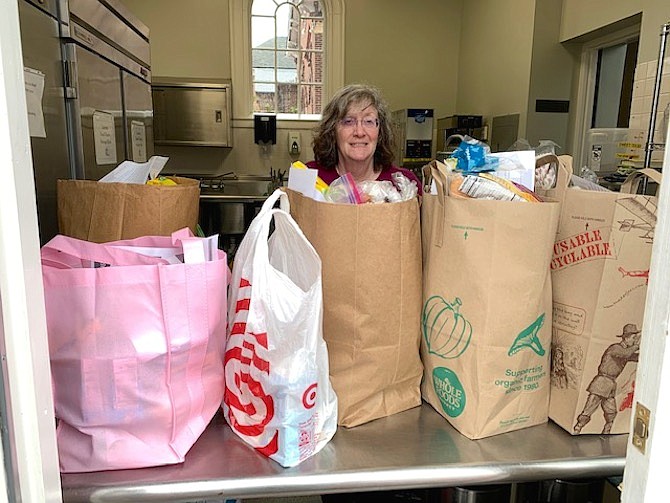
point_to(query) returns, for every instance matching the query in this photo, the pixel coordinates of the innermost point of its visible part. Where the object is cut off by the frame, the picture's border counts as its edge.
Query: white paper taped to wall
(104, 138)
(34, 85)
(138, 135)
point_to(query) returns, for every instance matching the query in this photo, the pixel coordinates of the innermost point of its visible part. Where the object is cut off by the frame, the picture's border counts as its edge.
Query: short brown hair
(324, 142)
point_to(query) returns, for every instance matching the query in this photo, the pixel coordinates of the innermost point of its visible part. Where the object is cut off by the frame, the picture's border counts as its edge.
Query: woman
(356, 136)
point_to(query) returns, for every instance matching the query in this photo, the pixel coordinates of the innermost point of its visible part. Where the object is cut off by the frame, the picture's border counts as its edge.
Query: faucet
(234, 177)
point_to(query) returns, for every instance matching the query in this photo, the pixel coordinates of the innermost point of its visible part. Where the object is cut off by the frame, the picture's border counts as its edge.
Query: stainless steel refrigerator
(43, 74)
(108, 86)
(88, 89)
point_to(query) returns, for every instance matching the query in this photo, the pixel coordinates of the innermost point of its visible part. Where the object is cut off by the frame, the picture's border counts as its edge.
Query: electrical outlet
(294, 142)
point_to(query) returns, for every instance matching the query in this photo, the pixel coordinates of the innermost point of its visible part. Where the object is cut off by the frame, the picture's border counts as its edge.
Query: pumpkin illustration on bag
(446, 332)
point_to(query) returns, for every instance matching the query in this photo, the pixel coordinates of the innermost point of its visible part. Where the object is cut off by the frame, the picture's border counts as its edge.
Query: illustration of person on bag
(603, 386)
(559, 375)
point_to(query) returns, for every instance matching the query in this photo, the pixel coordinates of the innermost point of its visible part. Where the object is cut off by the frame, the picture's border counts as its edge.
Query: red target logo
(309, 397)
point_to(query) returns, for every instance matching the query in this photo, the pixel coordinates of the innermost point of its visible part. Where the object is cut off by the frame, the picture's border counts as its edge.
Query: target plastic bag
(278, 395)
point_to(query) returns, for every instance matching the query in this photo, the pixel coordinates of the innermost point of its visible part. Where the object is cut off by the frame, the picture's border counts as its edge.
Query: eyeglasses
(367, 123)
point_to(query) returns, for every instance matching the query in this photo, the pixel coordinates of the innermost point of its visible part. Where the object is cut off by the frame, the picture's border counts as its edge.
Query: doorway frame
(588, 65)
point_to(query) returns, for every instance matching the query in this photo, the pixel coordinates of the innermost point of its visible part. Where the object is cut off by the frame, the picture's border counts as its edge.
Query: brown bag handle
(632, 181)
(436, 172)
(564, 171)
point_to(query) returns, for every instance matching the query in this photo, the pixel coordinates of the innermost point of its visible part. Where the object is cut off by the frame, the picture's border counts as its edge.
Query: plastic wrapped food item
(546, 147)
(472, 156)
(383, 191)
(545, 176)
(344, 190)
(407, 188)
(380, 191)
(487, 186)
(588, 174)
(579, 182)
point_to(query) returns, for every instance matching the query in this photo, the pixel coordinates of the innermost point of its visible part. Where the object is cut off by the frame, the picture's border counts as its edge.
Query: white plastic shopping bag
(278, 395)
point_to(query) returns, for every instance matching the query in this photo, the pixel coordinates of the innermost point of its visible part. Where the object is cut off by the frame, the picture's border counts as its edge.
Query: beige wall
(186, 41)
(582, 17)
(655, 13)
(495, 58)
(550, 77)
(486, 57)
(407, 49)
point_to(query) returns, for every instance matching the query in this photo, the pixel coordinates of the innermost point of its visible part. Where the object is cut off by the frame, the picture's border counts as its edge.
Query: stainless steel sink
(240, 187)
(229, 203)
(248, 186)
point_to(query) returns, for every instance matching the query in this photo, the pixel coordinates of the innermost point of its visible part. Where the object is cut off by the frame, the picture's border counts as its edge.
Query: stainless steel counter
(416, 448)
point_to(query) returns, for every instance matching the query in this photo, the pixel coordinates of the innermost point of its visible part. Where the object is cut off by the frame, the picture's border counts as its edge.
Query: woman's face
(357, 133)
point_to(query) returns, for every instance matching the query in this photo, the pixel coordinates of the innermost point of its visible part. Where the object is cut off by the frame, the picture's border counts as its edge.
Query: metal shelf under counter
(416, 448)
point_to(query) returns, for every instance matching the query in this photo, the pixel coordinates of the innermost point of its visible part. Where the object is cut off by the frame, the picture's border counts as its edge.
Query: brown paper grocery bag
(486, 318)
(600, 270)
(101, 212)
(371, 258)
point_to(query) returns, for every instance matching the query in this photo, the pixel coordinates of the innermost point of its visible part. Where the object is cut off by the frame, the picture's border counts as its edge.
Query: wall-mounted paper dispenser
(265, 128)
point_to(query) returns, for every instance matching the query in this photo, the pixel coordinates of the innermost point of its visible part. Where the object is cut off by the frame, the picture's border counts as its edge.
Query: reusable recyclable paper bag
(101, 212)
(486, 318)
(600, 269)
(371, 257)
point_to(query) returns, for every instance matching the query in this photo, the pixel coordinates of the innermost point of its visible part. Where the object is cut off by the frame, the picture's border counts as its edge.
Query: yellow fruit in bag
(161, 180)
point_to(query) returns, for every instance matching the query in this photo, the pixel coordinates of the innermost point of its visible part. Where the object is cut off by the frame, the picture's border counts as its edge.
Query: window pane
(287, 98)
(312, 34)
(263, 7)
(264, 95)
(287, 25)
(264, 75)
(311, 8)
(287, 66)
(287, 56)
(310, 99)
(263, 59)
(262, 32)
(311, 65)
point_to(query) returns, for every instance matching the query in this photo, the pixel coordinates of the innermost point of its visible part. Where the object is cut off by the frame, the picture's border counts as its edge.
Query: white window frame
(240, 44)
(30, 461)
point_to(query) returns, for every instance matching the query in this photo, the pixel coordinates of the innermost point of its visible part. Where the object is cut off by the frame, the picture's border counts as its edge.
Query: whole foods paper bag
(486, 318)
(371, 257)
(600, 269)
(101, 212)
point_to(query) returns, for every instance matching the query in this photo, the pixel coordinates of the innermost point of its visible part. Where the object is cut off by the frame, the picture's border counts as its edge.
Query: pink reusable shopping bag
(136, 345)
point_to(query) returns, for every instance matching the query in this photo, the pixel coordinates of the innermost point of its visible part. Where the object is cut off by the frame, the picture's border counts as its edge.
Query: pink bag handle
(179, 242)
(95, 252)
(156, 241)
